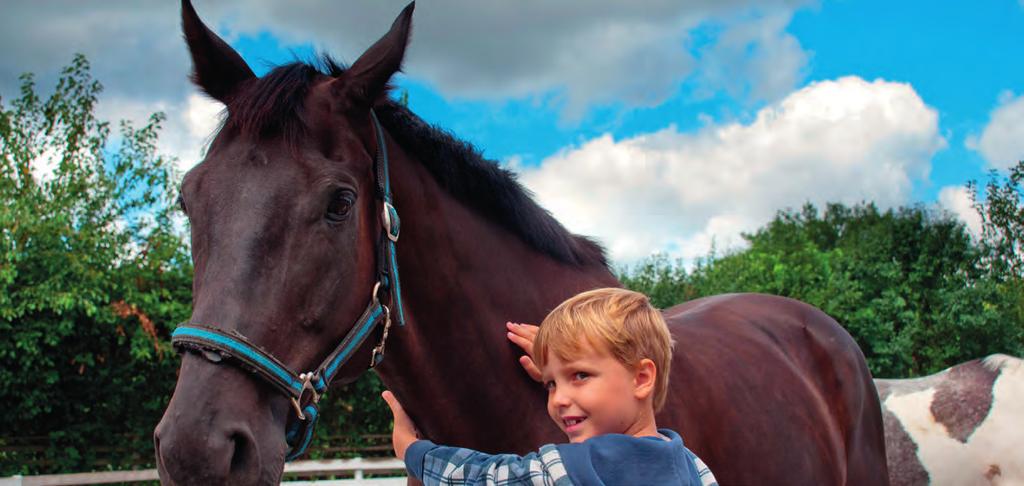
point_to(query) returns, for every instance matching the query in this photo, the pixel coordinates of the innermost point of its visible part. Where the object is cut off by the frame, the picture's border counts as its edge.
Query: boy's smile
(595, 394)
(573, 423)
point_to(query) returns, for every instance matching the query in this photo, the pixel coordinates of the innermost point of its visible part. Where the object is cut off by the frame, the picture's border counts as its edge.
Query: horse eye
(340, 205)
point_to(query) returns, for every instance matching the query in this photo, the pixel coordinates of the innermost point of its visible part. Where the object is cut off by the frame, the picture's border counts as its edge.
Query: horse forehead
(277, 163)
(321, 100)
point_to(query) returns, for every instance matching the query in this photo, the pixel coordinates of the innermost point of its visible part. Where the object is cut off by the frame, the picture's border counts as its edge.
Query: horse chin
(229, 434)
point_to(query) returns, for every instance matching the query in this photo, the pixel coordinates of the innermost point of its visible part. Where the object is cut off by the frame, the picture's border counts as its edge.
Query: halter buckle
(392, 224)
(307, 385)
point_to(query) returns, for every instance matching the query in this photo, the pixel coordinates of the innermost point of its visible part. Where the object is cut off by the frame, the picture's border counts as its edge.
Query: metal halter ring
(307, 384)
(376, 288)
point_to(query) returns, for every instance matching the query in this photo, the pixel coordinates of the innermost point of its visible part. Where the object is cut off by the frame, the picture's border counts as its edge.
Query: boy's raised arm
(437, 465)
(404, 433)
(440, 465)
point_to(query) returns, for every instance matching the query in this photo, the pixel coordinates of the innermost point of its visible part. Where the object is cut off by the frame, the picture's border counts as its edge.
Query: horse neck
(463, 277)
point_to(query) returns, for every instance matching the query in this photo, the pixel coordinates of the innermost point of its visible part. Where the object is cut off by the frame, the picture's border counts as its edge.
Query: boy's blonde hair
(618, 321)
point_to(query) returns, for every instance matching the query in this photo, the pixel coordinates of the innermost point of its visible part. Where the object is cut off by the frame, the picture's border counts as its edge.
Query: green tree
(662, 280)
(1002, 233)
(907, 284)
(93, 277)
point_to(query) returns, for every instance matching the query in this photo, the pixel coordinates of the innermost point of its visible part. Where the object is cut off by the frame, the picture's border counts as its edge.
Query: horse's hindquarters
(773, 391)
(221, 427)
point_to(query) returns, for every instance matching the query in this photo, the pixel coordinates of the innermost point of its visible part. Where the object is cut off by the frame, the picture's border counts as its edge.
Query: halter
(305, 389)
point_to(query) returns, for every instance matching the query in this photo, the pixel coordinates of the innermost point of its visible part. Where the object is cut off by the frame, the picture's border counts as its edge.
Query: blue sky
(654, 126)
(959, 60)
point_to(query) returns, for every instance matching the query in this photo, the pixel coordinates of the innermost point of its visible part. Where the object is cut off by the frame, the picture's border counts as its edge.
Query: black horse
(289, 247)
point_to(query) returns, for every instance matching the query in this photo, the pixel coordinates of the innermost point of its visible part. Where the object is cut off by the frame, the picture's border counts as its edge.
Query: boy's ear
(643, 379)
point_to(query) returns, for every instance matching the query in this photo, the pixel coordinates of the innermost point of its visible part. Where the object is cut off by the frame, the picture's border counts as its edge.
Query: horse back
(799, 402)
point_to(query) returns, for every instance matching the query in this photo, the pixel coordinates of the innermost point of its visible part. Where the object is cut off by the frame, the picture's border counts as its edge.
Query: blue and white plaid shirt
(448, 466)
(458, 466)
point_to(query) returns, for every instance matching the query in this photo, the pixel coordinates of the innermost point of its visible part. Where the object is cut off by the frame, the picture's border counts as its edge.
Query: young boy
(604, 358)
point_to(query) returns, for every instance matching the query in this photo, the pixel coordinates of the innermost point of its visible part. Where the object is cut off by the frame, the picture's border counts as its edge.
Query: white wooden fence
(386, 472)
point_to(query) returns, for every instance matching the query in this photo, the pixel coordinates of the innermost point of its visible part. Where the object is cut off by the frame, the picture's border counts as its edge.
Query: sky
(658, 126)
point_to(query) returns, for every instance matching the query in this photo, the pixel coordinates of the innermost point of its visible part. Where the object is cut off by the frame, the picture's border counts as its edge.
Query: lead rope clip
(378, 351)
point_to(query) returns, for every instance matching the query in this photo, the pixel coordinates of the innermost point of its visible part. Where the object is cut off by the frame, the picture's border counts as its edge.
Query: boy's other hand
(405, 432)
(523, 336)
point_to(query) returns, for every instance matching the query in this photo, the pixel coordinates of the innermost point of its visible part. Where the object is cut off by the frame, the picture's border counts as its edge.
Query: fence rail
(384, 471)
(31, 451)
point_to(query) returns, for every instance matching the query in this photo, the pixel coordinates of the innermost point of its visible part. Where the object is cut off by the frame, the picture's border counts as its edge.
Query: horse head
(286, 230)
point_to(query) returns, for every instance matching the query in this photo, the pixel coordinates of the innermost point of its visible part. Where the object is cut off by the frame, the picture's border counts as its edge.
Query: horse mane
(999, 362)
(273, 104)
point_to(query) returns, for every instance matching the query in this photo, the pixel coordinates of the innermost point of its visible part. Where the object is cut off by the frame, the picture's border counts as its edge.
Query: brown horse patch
(964, 400)
(901, 451)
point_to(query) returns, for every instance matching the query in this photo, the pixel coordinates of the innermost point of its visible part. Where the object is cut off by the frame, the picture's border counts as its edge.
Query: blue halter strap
(305, 389)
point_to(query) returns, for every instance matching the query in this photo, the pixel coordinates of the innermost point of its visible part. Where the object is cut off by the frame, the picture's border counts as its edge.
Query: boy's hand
(405, 432)
(523, 336)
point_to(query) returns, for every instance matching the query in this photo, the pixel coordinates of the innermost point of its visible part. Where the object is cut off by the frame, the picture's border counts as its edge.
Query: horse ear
(216, 67)
(368, 77)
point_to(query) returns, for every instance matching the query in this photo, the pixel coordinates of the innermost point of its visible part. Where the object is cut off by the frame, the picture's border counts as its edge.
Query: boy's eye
(549, 385)
(580, 375)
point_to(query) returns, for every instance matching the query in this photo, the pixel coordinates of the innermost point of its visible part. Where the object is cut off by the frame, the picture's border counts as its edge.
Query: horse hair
(272, 104)
(998, 362)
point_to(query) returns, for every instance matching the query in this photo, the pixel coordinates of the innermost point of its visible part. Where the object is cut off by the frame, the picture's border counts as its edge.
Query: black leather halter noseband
(305, 389)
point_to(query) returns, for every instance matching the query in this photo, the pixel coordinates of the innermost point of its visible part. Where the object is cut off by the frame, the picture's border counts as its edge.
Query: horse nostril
(207, 454)
(244, 456)
(156, 444)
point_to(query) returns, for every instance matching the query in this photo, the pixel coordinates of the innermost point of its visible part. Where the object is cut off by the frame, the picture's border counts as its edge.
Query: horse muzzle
(220, 428)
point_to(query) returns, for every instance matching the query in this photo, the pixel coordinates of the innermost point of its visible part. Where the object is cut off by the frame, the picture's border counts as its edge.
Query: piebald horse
(962, 426)
(296, 236)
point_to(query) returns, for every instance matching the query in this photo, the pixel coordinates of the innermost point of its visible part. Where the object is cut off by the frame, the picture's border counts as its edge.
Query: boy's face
(592, 395)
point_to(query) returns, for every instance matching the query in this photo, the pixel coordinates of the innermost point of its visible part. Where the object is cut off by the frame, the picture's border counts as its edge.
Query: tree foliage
(908, 284)
(92, 275)
(1002, 232)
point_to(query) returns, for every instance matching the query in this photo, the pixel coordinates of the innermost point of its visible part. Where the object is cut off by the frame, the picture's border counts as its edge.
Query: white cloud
(1002, 140)
(845, 140)
(202, 115)
(45, 164)
(957, 200)
(185, 132)
(588, 51)
(135, 47)
(754, 59)
(584, 51)
(189, 129)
